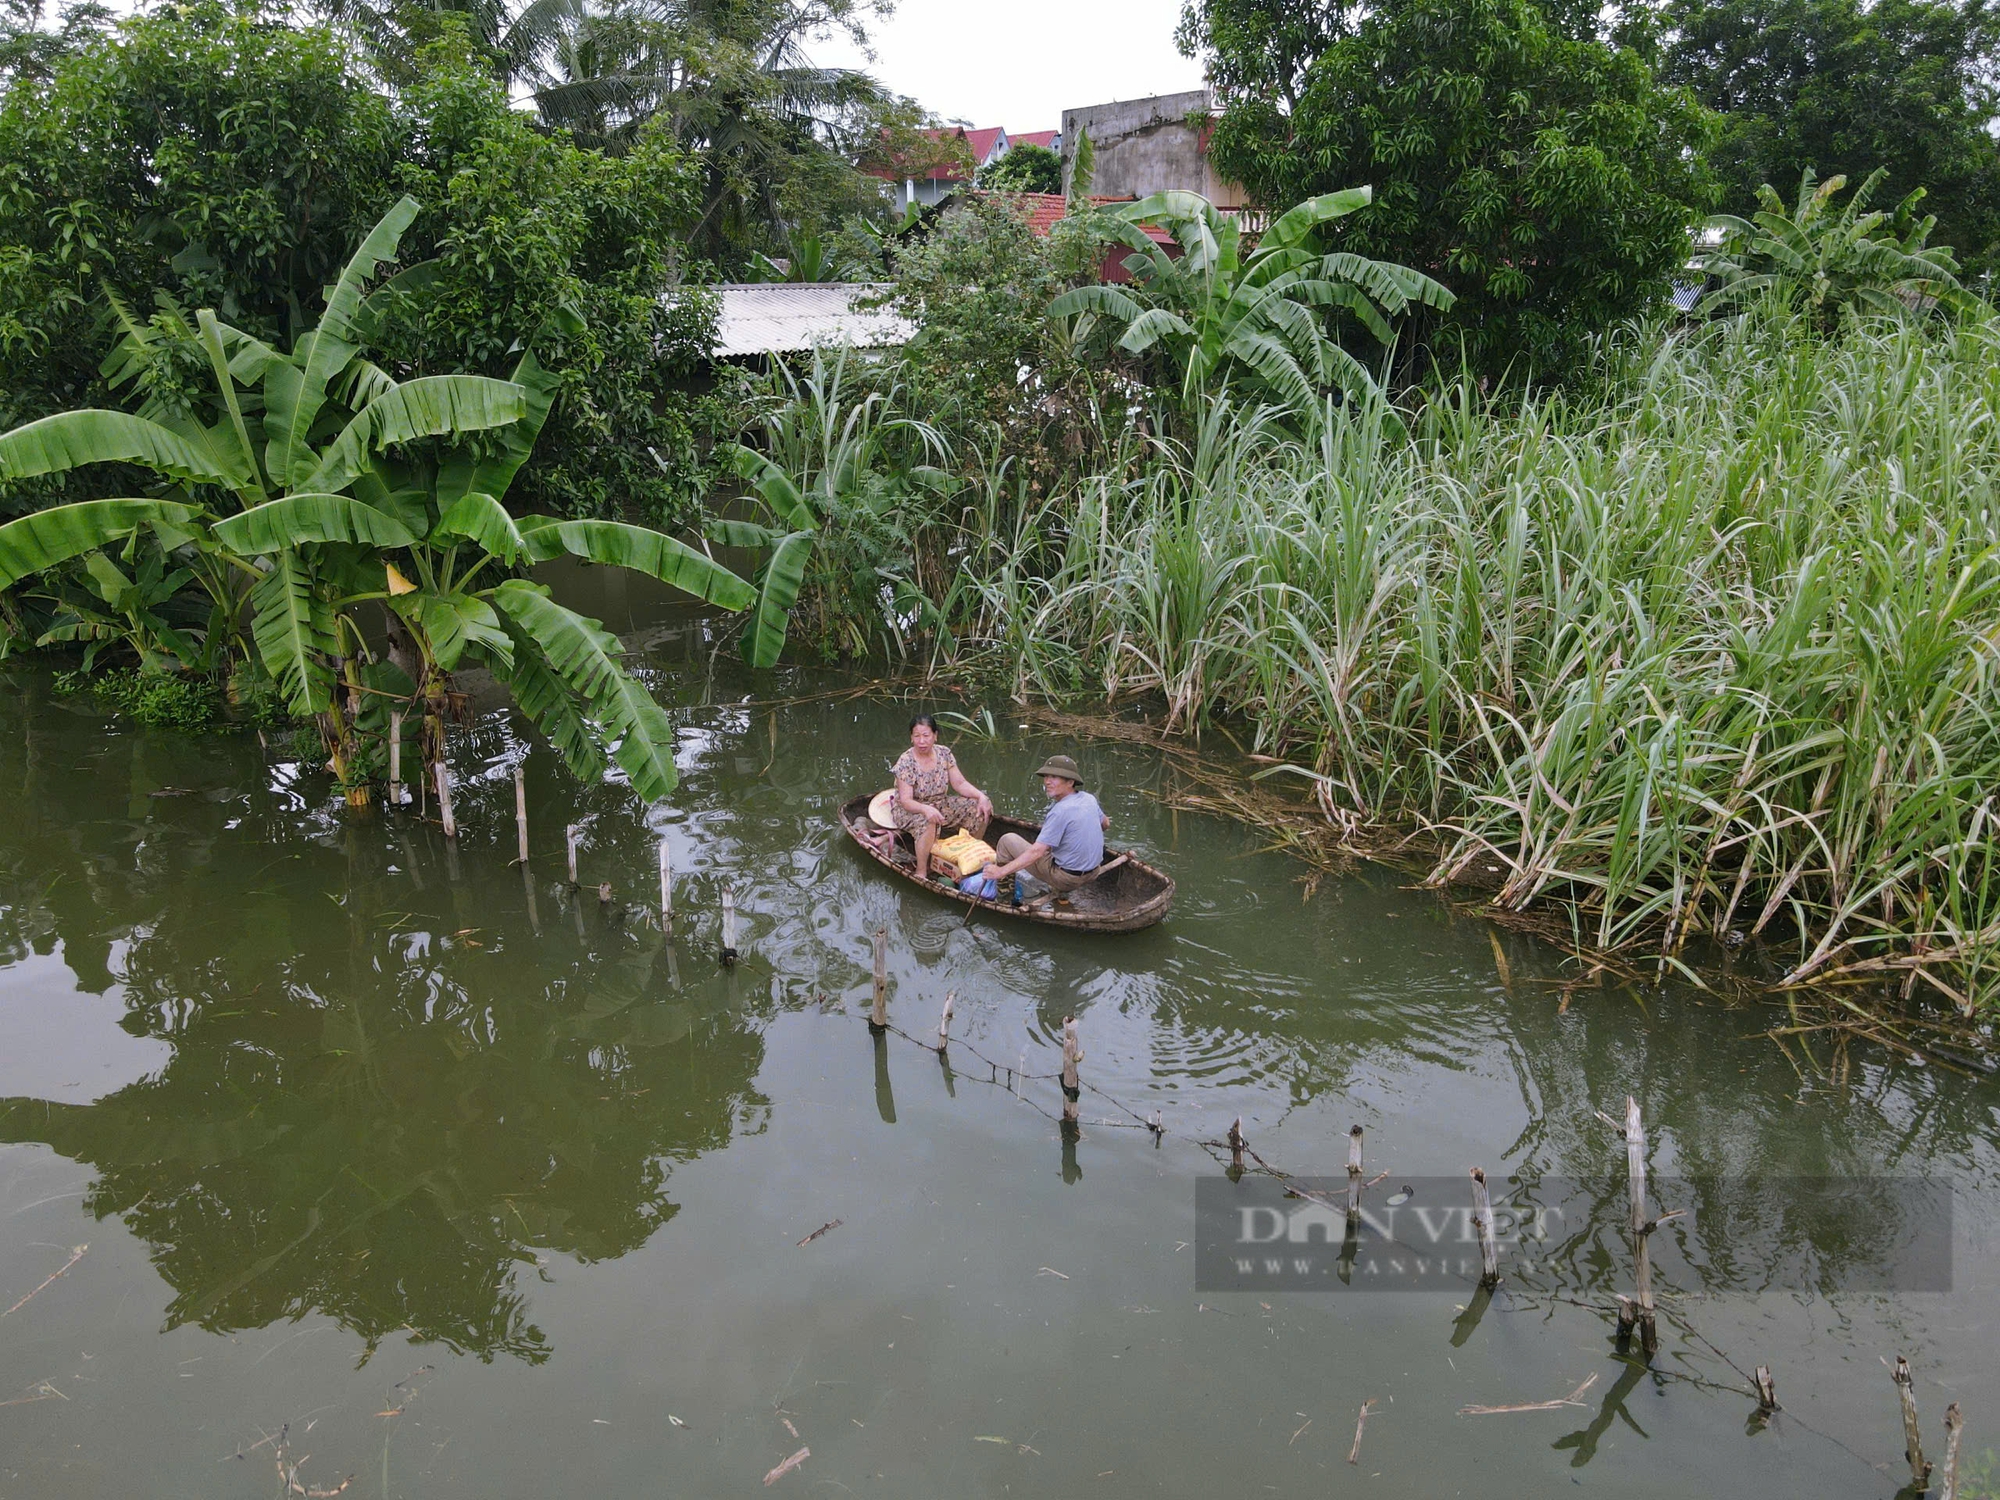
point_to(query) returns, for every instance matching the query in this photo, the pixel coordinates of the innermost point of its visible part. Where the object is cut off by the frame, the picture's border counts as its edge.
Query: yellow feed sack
(963, 853)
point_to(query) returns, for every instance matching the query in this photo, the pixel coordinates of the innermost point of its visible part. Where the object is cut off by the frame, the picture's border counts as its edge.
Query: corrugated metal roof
(783, 317)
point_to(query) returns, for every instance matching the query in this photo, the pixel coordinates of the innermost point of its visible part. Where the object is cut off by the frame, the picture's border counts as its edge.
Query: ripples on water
(327, 1107)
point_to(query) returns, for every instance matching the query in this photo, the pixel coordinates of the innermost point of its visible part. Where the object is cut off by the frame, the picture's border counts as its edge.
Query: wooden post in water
(1072, 1082)
(1913, 1442)
(1767, 1391)
(521, 812)
(1237, 1141)
(1482, 1219)
(570, 836)
(1353, 1177)
(444, 799)
(878, 1015)
(944, 1020)
(729, 921)
(666, 889)
(395, 757)
(1639, 1308)
(1954, 1428)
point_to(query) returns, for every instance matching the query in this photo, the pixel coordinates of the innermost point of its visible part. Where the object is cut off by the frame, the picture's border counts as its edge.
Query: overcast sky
(1021, 63)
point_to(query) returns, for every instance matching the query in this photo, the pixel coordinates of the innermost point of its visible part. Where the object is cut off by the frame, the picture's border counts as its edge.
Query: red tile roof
(893, 173)
(1042, 210)
(979, 142)
(982, 142)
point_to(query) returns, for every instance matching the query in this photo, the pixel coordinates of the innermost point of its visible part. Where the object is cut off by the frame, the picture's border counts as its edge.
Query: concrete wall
(1146, 146)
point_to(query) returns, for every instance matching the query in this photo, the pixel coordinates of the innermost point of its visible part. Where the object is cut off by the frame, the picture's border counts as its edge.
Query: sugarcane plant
(832, 468)
(312, 484)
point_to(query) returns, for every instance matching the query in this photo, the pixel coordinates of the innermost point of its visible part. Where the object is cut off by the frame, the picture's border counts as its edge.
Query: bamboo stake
(1913, 1442)
(729, 922)
(1072, 1083)
(878, 1016)
(444, 799)
(666, 889)
(944, 1020)
(1353, 1176)
(1482, 1218)
(395, 757)
(1767, 1390)
(521, 812)
(1639, 1309)
(571, 836)
(1954, 1428)
(1237, 1141)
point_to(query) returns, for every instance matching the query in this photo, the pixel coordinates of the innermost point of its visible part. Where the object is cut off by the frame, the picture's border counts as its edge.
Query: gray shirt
(1073, 833)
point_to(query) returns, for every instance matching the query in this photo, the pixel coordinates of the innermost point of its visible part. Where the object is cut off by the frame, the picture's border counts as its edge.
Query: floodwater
(409, 1167)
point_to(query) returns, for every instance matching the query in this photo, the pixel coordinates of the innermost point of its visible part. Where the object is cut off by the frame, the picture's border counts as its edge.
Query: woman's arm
(906, 798)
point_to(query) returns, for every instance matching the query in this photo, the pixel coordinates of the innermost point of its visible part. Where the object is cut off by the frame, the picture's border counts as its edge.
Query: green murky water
(466, 1194)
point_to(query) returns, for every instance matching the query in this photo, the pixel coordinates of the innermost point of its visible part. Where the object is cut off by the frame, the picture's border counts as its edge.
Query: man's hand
(1105, 820)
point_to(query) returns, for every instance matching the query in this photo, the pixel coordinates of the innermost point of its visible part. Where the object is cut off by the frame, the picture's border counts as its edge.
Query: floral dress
(933, 787)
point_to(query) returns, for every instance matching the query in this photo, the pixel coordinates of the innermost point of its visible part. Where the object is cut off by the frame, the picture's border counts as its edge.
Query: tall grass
(1707, 651)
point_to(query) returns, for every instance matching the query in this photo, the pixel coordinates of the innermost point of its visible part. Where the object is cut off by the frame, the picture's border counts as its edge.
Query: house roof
(982, 142)
(1042, 210)
(786, 317)
(1045, 138)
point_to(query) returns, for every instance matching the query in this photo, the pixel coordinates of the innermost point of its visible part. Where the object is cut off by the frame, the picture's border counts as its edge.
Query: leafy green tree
(304, 490)
(1828, 261)
(986, 363)
(519, 224)
(1539, 171)
(1024, 169)
(217, 155)
(1842, 87)
(1261, 47)
(219, 158)
(1220, 314)
(775, 134)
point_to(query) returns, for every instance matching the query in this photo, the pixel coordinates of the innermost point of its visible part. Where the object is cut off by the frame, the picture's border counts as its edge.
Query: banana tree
(1220, 311)
(1828, 260)
(834, 466)
(303, 492)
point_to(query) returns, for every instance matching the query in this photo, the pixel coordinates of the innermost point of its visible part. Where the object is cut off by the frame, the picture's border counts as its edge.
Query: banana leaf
(434, 406)
(293, 520)
(93, 436)
(778, 583)
(39, 541)
(583, 656)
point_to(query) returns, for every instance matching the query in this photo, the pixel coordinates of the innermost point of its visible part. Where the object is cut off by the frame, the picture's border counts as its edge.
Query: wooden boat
(1130, 894)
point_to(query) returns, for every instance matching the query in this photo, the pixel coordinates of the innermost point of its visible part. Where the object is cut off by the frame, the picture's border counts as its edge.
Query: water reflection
(385, 1096)
(384, 1101)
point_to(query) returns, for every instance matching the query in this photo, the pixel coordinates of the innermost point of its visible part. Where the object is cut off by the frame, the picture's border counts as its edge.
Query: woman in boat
(932, 794)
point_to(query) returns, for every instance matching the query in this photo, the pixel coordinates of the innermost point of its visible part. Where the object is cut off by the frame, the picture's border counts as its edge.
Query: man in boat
(1070, 845)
